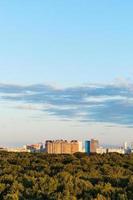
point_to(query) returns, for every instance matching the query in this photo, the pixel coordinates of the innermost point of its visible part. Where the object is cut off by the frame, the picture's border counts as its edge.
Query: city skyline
(61, 146)
(66, 71)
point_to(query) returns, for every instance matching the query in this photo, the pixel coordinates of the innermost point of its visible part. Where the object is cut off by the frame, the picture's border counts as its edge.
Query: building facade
(94, 145)
(87, 147)
(62, 146)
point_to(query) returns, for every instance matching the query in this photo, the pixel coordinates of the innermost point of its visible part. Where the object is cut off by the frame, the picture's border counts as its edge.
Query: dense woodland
(65, 177)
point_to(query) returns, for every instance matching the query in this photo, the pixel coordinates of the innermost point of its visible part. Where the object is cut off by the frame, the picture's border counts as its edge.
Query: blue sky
(88, 41)
(66, 44)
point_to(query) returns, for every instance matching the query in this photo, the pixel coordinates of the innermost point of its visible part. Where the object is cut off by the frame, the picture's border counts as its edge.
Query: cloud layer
(112, 103)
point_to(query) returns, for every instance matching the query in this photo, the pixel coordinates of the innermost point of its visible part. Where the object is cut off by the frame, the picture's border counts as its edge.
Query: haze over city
(66, 71)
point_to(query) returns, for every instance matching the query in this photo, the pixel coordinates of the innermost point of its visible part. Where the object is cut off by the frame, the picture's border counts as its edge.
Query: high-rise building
(57, 146)
(94, 145)
(74, 146)
(62, 146)
(125, 145)
(80, 146)
(87, 146)
(66, 147)
(49, 146)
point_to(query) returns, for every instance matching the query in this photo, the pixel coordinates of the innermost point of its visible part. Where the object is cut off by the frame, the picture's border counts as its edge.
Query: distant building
(34, 147)
(80, 146)
(74, 146)
(94, 145)
(3, 149)
(62, 146)
(125, 145)
(101, 150)
(49, 146)
(65, 147)
(126, 148)
(18, 149)
(116, 150)
(87, 147)
(131, 147)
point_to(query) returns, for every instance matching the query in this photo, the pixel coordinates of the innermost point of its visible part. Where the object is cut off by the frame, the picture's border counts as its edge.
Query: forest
(41, 176)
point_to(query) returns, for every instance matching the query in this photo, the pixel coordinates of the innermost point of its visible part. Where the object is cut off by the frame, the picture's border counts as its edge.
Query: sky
(66, 70)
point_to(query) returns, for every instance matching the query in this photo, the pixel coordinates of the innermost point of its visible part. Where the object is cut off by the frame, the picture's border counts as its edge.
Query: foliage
(40, 176)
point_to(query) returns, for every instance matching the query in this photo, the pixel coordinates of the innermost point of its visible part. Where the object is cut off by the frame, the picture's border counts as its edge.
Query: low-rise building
(17, 149)
(101, 150)
(34, 148)
(3, 149)
(116, 150)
